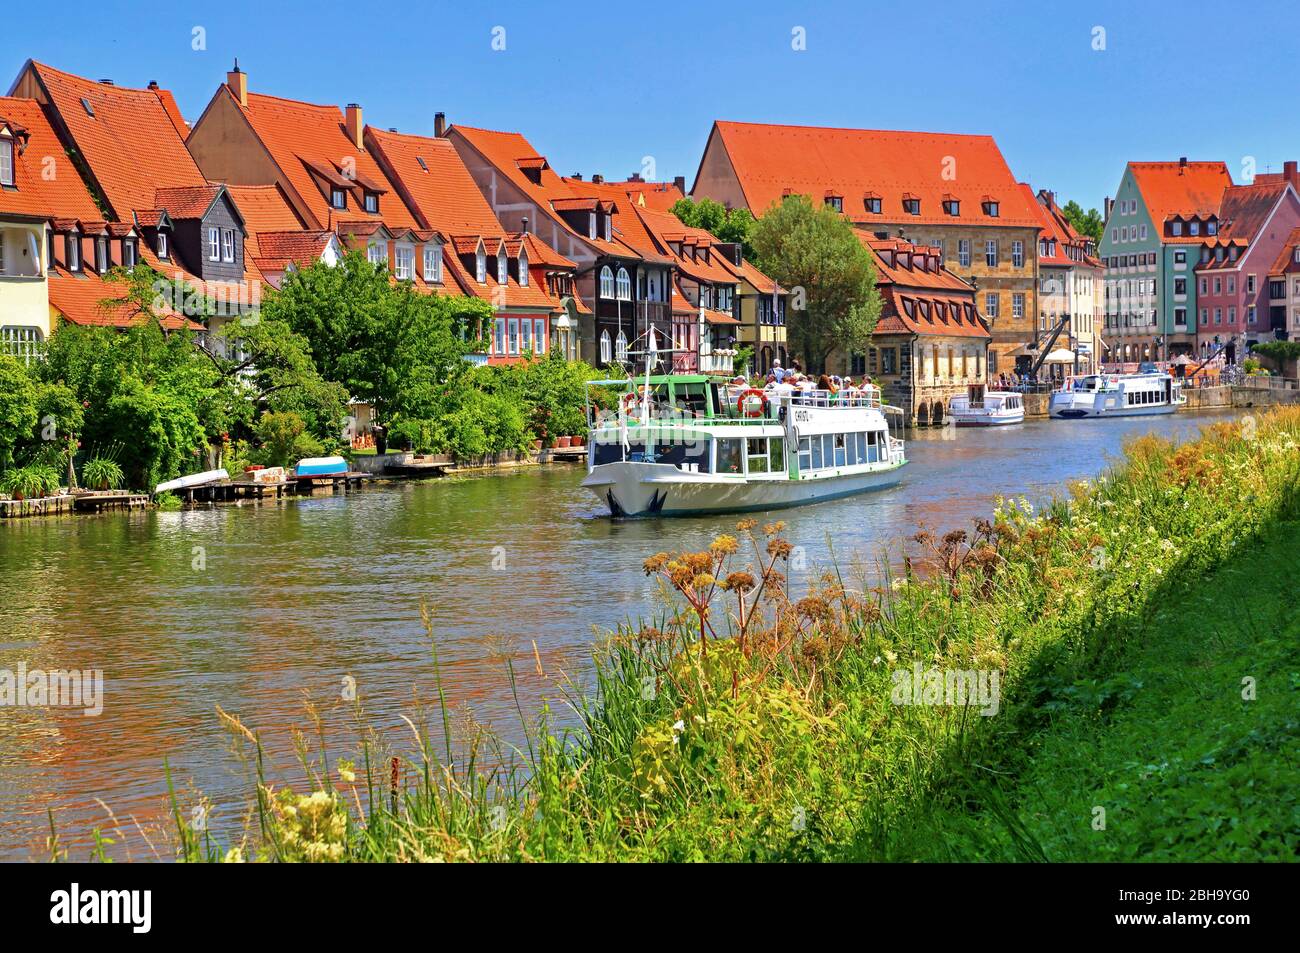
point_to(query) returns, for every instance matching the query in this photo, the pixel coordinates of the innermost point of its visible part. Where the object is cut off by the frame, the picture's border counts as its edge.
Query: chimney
(597, 179)
(237, 81)
(524, 227)
(1107, 204)
(105, 82)
(1182, 164)
(439, 125)
(153, 84)
(635, 177)
(680, 182)
(1289, 173)
(577, 176)
(354, 126)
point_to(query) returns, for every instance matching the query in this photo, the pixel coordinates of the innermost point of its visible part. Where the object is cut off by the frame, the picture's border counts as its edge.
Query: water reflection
(294, 597)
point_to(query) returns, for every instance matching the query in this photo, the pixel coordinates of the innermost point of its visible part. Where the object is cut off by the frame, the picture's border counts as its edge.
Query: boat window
(862, 447)
(688, 453)
(776, 455)
(756, 451)
(692, 399)
(828, 450)
(841, 456)
(729, 456)
(805, 453)
(816, 453)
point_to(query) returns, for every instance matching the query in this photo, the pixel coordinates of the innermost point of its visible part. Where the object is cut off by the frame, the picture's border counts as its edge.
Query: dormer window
(404, 266)
(377, 253)
(912, 206)
(951, 207)
(1211, 227)
(101, 255)
(1193, 228)
(433, 263)
(1175, 228)
(128, 253)
(214, 244)
(228, 244)
(609, 227)
(372, 203)
(162, 245)
(503, 267)
(74, 251)
(836, 202)
(523, 268)
(6, 161)
(480, 266)
(591, 224)
(990, 208)
(872, 204)
(338, 198)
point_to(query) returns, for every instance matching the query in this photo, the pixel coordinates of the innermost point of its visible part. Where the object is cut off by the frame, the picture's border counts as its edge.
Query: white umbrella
(1061, 356)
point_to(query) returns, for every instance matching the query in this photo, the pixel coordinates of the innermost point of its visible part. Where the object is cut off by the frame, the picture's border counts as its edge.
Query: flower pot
(577, 441)
(562, 443)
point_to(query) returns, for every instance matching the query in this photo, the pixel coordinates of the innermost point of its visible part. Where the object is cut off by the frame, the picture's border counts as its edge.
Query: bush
(30, 481)
(284, 440)
(100, 473)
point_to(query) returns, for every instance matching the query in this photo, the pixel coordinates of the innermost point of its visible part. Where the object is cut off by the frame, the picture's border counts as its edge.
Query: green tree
(726, 225)
(815, 253)
(1087, 223)
(18, 414)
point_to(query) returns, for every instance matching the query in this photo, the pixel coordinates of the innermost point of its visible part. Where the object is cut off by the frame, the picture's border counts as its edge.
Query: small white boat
(194, 479)
(1117, 395)
(981, 408)
(315, 468)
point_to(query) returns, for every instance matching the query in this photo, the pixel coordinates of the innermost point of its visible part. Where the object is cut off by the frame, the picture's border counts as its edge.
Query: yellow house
(24, 239)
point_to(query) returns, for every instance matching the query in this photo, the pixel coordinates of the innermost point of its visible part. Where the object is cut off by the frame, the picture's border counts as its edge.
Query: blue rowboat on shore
(315, 468)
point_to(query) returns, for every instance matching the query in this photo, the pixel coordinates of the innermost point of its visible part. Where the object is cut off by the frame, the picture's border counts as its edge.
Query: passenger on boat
(778, 371)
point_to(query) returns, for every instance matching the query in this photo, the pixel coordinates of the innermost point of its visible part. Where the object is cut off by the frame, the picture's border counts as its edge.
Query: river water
(261, 608)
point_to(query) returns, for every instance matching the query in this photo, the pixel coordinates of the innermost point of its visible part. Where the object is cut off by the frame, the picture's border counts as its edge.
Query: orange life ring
(740, 402)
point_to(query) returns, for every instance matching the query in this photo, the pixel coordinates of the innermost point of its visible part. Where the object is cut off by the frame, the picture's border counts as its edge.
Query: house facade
(1069, 287)
(1161, 214)
(950, 192)
(1234, 289)
(1284, 285)
(931, 343)
(24, 234)
(626, 292)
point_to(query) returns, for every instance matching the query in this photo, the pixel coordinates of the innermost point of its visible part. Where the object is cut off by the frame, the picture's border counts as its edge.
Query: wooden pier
(78, 501)
(231, 491)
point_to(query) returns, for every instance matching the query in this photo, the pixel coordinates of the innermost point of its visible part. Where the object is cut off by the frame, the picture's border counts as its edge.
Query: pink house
(1232, 285)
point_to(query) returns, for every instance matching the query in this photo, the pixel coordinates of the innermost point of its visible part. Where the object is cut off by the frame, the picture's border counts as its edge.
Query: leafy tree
(814, 252)
(285, 440)
(726, 225)
(1085, 223)
(18, 414)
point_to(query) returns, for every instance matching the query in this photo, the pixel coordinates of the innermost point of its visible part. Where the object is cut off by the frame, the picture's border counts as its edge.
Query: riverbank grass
(753, 722)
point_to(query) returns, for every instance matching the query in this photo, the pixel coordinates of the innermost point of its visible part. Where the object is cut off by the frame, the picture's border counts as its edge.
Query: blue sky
(599, 86)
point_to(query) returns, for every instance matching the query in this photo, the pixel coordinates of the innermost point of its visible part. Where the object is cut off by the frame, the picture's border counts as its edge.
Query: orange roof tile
(773, 160)
(302, 137)
(131, 144)
(79, 299)
(1171, 188)
(63, 195)
(1286, 256)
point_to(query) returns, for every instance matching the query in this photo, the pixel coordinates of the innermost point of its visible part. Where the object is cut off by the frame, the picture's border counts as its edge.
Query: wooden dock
(231, 491)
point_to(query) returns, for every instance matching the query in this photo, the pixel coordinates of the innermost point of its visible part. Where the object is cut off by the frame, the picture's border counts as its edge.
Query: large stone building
(951, 192)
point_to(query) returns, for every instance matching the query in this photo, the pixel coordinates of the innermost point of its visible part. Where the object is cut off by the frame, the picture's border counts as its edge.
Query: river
(259, 608)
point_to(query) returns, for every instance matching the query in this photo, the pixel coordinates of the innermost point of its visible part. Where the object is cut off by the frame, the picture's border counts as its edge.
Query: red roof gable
(1172, 188)
(63, 195)
(773, 160)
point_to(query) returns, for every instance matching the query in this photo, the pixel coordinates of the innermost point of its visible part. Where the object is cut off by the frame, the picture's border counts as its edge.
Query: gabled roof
(35, 195)
(1172, 188)
(308, 142)
(1245, 208)
(1058, 230)
(275, 251)
(265, 210)
(1285, 261)
(79, 299)
(129, 138)
(434, 182)
(771, 161)
(656, 196)
(189, 201)
(505, 150)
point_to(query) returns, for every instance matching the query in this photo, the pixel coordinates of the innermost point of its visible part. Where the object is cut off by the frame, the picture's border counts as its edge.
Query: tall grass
(752, 722)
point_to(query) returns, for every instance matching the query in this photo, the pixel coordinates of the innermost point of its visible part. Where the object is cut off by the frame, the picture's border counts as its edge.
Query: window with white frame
(539, 335)
(433, 263)
(372, 203)
(991, 304)
(620, 348)
(101, 255)
(606, 354)
(513, 324)
(1018, 305)
(20, 341)
(606, 282)
(338, 198)
(6, 162)
(404, 263)
(377, 252)
(128, 253)
(991, 252)
(228, 244)
(480, 266)
(162, 244)
(609, 227)
(74, 251)
(503, 267)
(499, 343)
(214, 244)
(1018, 254)
(525, 336)
(523, 267)
(1142, 232)
(624, 285)
(963, 252)
(591, 224)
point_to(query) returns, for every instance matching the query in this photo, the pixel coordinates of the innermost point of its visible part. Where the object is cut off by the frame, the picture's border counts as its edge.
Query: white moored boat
(981, 408)
(1117, 395)
(684, 443)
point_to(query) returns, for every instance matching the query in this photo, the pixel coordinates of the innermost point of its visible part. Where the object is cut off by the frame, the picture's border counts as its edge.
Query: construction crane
(1061, 325)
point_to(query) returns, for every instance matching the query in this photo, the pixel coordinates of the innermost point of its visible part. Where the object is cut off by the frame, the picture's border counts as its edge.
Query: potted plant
(23, 482)
(100, 473)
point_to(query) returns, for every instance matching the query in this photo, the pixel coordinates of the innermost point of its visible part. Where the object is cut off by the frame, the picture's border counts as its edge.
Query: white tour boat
(1117, 395)
(991, 408)
(688, 443)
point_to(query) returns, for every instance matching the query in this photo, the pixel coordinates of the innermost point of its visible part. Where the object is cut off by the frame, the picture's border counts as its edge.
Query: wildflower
(233, 856)
(655, 563)
(779, 548)
(347, 771)
(739, 582)
(746, 525)
(723, 546)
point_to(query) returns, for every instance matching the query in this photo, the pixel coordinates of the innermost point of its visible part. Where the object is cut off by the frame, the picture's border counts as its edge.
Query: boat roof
(663, 379)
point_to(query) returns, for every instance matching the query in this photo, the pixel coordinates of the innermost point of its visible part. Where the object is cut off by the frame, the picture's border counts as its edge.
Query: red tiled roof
(276, 250)
(63, 195)
(1171, 188)
(77, 297)
(773, 160)
(187, 201)
(131, 144)
(938, 301)
(1285, 261)
(303, 136)
(1245, 208)
(265, 209)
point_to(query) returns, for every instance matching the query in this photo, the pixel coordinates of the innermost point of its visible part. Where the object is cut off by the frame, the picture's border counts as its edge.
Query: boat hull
(982, 420)
(1077, 410)
(648, 489)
